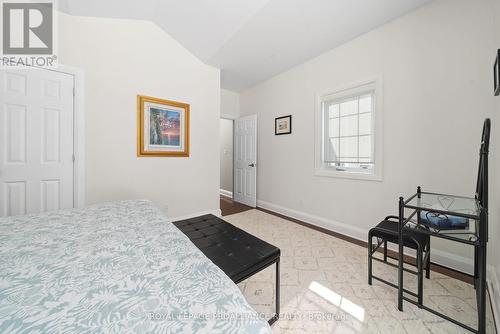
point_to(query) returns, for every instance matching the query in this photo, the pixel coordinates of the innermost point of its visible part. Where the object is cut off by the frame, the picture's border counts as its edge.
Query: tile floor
(324, 286)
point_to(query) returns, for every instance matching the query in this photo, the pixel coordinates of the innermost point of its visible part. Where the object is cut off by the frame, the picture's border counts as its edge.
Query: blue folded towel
(443, 222)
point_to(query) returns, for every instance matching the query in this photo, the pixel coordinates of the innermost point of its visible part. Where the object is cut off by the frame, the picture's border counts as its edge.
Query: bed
(118, 267)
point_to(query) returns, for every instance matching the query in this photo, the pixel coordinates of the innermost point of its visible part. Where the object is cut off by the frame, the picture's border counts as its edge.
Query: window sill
(347, 174)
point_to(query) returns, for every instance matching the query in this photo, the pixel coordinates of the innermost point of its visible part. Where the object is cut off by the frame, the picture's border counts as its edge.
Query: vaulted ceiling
(253, 40)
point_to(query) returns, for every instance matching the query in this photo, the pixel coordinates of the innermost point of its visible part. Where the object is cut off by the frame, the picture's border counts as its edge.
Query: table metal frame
(478, 241)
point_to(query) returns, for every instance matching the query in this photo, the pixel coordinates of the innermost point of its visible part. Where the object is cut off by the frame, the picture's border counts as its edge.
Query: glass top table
(424, 207)
(455, 218)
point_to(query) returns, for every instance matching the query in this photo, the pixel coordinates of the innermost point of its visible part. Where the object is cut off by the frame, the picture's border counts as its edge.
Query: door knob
(251, 165)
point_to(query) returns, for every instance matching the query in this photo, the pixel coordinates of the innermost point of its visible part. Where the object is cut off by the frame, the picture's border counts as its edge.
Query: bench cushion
(238, 253)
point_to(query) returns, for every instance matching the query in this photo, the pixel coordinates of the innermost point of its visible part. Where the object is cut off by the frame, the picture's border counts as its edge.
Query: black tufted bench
(238, 253)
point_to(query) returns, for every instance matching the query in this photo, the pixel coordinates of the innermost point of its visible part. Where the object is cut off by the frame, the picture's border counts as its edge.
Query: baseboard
(226, 193)
(191, 215)
(494, 291)
(453, 261)
(440, 257)
(347, 230)
(446, 260)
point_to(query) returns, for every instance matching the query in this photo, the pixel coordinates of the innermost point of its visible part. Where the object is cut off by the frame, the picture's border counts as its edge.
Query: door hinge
(74, 91)
(73, 158)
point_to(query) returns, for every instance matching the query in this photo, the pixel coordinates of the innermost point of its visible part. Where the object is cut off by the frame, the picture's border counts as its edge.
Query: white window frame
(322, 169)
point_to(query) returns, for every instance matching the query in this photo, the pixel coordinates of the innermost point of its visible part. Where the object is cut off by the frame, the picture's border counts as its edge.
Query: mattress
(118, 267)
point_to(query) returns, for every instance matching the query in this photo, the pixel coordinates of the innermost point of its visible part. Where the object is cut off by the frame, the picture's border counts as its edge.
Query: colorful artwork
(163, 127)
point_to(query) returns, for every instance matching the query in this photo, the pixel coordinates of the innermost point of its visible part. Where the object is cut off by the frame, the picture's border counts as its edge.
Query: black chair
(387, 231)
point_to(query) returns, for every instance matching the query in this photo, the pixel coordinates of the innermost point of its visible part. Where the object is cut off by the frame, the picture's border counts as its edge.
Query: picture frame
(283, 125)
(496, 74)
(162, 127)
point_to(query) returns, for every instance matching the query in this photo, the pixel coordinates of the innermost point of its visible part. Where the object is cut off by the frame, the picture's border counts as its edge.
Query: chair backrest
(482, 174)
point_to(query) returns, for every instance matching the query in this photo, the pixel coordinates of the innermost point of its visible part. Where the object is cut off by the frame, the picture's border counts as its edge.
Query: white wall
(123, 58)
(226, 155)
(229, 104)
(436, 66)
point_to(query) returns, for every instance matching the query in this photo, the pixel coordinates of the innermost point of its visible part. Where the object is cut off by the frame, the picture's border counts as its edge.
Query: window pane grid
(356, 162)
(361, 113)
(351, 136)
(347, 116)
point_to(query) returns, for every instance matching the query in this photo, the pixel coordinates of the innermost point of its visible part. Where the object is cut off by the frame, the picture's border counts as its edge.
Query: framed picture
(283, 125)
(496, 74)
(162, 128)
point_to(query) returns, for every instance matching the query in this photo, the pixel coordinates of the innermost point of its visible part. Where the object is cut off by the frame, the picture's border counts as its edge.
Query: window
(347, 133)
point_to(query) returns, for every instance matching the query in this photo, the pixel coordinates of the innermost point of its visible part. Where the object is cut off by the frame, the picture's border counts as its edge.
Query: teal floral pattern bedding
(117, 267)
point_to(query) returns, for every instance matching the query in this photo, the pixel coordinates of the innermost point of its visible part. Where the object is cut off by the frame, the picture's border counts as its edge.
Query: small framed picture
(162, 128)
(283, 125)
(496, 74)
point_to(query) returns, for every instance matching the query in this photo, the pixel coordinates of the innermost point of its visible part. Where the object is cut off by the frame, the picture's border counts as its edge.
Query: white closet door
(245, 160)
(36, 141)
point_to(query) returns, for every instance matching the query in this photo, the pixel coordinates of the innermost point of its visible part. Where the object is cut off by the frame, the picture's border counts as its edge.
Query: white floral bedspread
(113, 268)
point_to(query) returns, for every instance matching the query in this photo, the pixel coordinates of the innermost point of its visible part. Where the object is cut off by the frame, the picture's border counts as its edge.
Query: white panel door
(36, 141)
(245, 160)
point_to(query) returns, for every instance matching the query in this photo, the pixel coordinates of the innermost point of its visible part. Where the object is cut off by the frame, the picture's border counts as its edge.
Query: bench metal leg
(370, 270)
(385, 250)
(277, 314)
